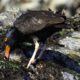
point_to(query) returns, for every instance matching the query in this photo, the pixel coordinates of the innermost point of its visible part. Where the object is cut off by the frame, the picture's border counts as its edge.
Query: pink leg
(32, 60)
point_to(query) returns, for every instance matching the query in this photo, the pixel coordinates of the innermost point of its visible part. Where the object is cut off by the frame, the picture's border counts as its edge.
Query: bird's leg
(42, 51)
(32, 60)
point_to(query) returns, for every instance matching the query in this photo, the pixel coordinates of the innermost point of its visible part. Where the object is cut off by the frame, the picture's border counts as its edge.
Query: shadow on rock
(56, 57)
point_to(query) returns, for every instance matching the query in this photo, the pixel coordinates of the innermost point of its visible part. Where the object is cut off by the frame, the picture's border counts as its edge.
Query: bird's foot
(32, 61)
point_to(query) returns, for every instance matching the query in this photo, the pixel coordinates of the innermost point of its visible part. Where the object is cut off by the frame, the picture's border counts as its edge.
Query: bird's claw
(32, 61)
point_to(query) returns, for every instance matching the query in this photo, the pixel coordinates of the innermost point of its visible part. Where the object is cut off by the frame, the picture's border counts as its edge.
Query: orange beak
(7, 51)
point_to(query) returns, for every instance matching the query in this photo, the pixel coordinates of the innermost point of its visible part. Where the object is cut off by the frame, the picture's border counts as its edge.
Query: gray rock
(67, 76)
(72, 43)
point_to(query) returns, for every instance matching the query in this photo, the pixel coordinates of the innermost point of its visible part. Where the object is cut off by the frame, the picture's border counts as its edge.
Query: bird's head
(9, 40)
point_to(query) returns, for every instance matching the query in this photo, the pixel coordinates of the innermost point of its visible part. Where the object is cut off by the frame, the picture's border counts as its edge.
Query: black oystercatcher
(33, 26)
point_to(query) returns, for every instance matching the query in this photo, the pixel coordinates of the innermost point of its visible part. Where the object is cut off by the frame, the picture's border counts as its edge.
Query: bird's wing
(30, 25)
(35, 21)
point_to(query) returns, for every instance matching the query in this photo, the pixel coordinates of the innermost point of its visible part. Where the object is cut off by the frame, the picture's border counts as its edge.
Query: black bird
(33, 26)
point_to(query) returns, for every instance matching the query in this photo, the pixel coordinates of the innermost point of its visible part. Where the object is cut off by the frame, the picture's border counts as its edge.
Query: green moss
(62, 32)
(4, 65)
(51, 64)
(27, 44)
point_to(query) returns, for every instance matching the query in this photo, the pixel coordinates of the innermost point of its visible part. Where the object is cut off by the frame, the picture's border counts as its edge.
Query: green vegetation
(4, 65)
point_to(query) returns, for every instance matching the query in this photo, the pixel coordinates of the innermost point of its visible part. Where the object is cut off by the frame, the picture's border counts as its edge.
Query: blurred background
(67, 7)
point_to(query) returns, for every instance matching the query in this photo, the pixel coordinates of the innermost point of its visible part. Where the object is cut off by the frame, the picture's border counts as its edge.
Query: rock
(7, 18)
(76, 34)
(67, 7)
(67, 76)
(73, 42)
(71, 46)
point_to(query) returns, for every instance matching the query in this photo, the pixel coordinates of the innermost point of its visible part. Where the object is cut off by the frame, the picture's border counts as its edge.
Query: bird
(34, 27)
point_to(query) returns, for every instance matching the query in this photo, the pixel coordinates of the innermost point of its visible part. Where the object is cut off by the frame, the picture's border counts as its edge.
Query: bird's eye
(5, 39)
